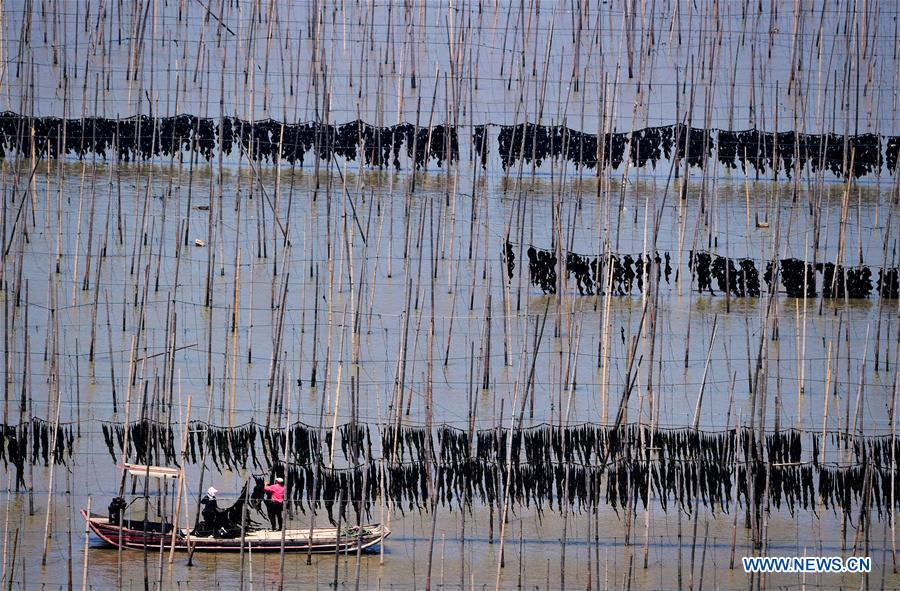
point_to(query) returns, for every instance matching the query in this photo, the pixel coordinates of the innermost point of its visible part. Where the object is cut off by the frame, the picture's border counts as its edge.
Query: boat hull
(323, 540)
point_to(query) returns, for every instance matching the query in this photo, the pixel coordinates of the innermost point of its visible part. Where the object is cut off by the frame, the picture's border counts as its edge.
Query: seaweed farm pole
(734, 520)
(884, 266)
(429, 418)
(363, 501)
(314, 503)
(573, 361)
(12, 567)
(290, 444)
(694, 547)
(50, 485)
(244, 538)
(77, 390)
(6, 525)
(337, 534)
(712, 340)
(209, 405)
(234, 332)
(87, 539)
(827, 395)
(184, 436)
(7, 357)
(703, 555)
(894, 470)
(680, 554)
(70, 554)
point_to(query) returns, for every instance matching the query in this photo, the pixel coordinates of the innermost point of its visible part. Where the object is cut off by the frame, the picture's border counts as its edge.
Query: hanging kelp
(579, 267)
(143, 137)
(36, 442)
(532, 143)
(892, 152)
(692, 144)
(798, 277)
(398, 443)
(739, 277)
(573, 467)
(337, 489)
(536, 143)
(542, 269)
(439, 142)
(839, 281)
(700, 264)
(509, 257)
(863, 153)
(592, 274)
(229, 448)
(149, 441)
(547, 466)
(381, 145)
(888, 285)
(49, 443)
(650, 144)
(355, 441)
(251, 444)
(787, 151)
(479, 143)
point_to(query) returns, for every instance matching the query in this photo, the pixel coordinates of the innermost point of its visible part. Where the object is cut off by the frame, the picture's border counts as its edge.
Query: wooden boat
(136, 534)
(159, 536)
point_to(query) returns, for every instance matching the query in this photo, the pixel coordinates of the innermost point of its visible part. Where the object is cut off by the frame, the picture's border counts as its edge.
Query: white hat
(279, 479)
(211, 491)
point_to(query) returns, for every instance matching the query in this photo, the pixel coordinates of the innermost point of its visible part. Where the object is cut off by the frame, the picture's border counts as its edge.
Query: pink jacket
(277, 491)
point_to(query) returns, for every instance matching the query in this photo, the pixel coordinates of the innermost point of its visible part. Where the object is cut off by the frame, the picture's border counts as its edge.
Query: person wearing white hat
(210, 507)
(275, 504)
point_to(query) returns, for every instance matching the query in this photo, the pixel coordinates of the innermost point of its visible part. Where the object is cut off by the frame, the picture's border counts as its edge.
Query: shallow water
(441, 214)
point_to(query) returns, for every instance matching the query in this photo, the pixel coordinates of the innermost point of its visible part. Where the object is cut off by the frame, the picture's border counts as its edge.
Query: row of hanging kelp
(249, 445)
(35, 442)
(625, 482)
(738, 277)
(764, 151)
(143, 137)
(799, 279)
(589, 465)
(590, 443)
(592, 274)
(548, 466)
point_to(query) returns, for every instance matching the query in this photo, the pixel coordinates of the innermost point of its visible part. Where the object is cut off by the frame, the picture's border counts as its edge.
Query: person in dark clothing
(115, 510)
(275, 504)
(210, 510)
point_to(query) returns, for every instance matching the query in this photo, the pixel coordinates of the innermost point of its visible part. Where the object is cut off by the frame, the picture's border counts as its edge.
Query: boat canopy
(152, 471)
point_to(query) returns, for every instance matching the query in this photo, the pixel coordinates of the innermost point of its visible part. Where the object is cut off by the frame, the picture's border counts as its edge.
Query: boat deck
(293, 540)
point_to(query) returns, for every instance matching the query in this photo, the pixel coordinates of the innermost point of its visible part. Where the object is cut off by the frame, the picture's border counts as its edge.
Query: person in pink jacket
(275, 504)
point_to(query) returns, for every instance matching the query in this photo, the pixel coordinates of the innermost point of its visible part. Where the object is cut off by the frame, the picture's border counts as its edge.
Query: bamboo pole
(178, 496)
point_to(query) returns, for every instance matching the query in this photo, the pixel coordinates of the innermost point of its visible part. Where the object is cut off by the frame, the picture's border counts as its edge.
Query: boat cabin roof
(153, 471)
